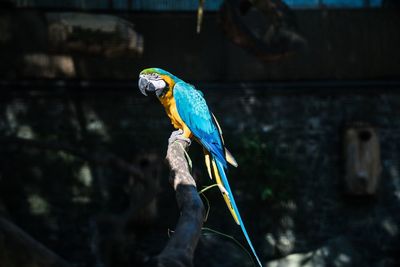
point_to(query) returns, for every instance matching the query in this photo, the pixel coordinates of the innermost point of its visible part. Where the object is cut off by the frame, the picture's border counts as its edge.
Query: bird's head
(156, 80)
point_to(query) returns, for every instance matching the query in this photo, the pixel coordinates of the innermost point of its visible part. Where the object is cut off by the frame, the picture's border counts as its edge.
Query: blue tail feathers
(228, 189)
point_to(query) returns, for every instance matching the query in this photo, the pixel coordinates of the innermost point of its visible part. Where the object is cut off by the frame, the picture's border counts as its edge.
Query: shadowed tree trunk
(180, 248)
(18, 249)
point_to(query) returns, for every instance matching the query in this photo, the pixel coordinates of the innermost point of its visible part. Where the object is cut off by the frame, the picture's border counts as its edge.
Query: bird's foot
(178, 135)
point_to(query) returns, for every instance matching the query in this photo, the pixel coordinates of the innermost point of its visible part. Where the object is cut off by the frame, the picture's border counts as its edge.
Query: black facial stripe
(164, 90)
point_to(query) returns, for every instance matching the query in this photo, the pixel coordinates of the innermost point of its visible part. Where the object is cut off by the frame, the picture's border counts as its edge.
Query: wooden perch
(18, 249)
(180, 248)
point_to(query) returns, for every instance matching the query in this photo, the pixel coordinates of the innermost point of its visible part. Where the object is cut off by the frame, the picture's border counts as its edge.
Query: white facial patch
(159, 84)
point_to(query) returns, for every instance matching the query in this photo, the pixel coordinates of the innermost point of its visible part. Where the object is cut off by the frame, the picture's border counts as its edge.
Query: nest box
(362, 159)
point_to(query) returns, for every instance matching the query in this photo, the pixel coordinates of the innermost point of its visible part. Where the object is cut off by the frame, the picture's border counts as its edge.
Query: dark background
(282, 120)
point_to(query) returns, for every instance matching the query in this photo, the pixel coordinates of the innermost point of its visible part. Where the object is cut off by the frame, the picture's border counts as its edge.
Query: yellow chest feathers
(168, 101)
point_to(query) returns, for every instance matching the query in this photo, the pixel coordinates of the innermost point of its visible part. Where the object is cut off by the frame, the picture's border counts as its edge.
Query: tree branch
(180, 248)
(17, 248)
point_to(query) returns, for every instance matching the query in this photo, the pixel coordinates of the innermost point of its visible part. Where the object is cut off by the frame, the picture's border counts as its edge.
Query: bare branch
(180, 248)
(17, 248)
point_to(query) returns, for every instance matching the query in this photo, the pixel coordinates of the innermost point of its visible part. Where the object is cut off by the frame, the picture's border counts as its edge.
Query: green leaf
(266, 193)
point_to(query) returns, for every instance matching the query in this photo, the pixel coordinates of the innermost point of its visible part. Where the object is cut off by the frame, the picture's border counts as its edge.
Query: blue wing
(194, 112)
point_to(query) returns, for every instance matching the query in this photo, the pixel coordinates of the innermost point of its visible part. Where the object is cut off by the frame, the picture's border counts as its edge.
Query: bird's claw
(178, 135)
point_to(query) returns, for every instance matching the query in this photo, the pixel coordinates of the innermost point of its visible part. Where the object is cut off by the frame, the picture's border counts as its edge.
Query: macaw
(189, 113)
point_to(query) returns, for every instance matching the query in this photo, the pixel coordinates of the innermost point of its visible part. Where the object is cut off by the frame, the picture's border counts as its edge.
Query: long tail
(223, 184)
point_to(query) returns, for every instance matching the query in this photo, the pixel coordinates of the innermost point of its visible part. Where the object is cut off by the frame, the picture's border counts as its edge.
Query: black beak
(145, 86)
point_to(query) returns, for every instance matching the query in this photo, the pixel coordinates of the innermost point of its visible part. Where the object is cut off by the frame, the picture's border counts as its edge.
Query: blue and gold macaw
(189, 113)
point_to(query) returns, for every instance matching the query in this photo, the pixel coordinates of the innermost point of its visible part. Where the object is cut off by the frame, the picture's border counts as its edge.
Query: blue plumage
(228, 189)
(189, 112)
(195, 113)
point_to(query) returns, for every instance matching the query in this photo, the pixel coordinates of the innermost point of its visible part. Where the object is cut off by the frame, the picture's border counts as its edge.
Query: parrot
(190, 115)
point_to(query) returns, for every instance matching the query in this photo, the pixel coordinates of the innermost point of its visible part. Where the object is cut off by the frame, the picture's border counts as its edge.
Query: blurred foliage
(272, 174)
